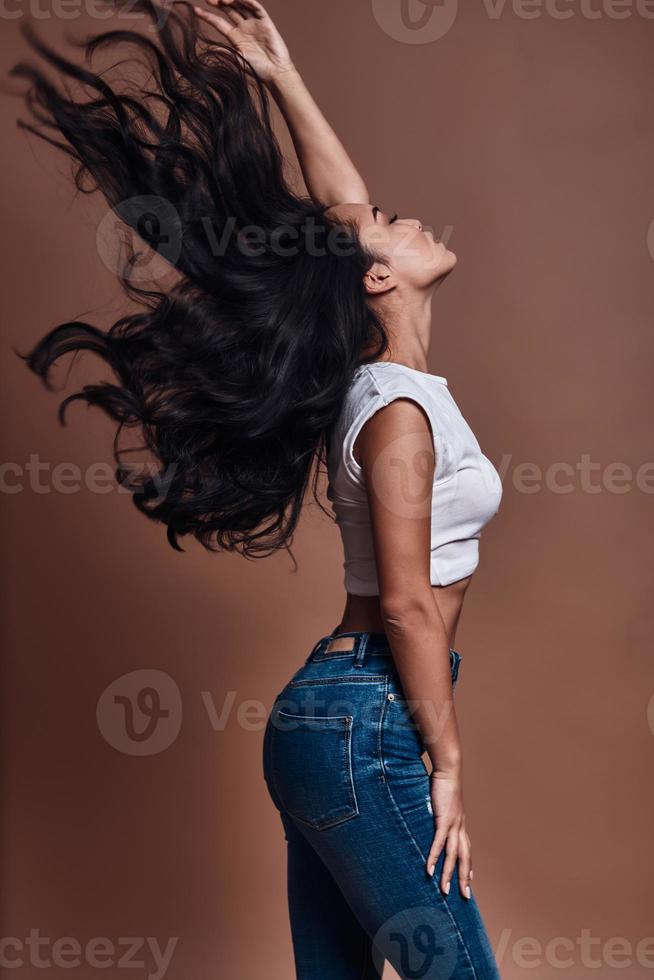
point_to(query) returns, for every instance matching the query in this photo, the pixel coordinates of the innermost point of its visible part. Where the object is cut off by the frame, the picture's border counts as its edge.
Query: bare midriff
(362, 613)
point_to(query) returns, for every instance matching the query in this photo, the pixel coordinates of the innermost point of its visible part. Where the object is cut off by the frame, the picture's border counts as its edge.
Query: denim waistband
(366, 645)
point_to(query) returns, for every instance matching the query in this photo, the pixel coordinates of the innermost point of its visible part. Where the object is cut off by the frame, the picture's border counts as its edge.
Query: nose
(414, 221)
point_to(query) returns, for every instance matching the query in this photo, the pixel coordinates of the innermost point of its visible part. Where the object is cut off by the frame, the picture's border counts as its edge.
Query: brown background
(532, 140)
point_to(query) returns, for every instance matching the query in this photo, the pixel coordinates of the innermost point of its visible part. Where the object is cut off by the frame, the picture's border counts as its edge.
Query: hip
(341, 722)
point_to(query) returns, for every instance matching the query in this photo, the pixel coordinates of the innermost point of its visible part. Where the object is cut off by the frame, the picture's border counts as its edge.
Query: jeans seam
(442, 901)
(382, 715)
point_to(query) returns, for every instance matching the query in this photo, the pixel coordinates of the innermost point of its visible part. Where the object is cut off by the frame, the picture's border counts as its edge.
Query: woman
(296, 334)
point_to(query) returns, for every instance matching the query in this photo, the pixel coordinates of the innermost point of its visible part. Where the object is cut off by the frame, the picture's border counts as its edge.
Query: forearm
(328, 171)
(421, 652)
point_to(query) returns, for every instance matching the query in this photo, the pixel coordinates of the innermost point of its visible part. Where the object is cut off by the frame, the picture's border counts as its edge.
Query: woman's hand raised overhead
(247, 25)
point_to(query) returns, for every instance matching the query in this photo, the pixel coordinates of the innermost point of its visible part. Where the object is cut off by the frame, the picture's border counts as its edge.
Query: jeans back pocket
(311, 767)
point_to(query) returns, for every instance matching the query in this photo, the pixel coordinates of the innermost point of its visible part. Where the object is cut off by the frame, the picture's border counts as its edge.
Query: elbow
(359, 194)
(407, 610)
(354, 193)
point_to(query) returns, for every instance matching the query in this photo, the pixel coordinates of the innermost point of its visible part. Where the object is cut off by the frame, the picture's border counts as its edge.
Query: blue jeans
(342, 760)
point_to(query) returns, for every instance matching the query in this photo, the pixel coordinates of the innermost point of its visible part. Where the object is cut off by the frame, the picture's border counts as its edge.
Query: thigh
(329, 943)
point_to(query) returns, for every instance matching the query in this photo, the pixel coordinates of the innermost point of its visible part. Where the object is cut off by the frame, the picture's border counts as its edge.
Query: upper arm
(395, 448)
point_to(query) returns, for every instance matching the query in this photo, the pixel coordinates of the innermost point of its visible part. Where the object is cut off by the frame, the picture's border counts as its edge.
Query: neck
(408, 325)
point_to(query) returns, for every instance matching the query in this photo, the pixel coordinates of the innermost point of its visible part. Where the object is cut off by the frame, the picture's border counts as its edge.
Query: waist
(363, 612)
(368, 648)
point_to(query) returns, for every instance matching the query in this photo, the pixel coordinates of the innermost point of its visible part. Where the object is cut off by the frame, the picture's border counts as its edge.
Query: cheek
(420, 259)
(407, 249)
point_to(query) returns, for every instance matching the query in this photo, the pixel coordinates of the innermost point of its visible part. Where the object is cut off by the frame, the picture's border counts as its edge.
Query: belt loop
(361, 650)
(311, 655)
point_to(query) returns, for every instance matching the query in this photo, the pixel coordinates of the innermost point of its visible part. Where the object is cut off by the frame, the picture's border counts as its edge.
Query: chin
(445, 267)
(450, 259)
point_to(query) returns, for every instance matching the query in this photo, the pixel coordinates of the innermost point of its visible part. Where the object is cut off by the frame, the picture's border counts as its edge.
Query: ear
(379, 279)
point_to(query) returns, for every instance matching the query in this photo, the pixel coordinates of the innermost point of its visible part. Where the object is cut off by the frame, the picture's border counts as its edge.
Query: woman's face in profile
(413, 257)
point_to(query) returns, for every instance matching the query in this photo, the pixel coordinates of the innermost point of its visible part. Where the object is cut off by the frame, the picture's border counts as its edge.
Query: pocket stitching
(340, 679)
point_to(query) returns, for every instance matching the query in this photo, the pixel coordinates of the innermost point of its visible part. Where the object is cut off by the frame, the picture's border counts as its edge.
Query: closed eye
(377, 211)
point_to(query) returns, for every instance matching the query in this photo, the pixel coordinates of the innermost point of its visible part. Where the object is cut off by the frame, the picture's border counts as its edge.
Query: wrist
(283, 77)
(450, 765)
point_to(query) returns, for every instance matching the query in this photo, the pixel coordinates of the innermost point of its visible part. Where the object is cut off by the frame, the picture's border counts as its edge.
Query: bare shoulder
(402, 426)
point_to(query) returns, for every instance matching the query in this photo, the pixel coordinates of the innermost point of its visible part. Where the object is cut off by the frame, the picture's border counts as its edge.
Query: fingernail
(472, 875)
(446, 888)
(431, 870)
(468, 893)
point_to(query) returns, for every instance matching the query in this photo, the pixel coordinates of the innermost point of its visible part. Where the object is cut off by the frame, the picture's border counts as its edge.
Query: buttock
(334, 731)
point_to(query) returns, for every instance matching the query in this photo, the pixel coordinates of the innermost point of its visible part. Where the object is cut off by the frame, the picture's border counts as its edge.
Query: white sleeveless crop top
(467, 487)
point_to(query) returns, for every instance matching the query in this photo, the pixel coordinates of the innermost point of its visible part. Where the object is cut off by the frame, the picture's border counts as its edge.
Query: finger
(451, 852)
(465, 869)
(216, 20)
(250, 7)
(231, 11)
(435, 850)
(467, 837)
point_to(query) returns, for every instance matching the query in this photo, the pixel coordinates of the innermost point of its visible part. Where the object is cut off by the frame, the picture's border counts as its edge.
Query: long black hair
(236, 372)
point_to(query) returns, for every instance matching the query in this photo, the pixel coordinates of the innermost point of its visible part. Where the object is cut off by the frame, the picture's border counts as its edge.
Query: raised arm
(396, 452)
(329, 174)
